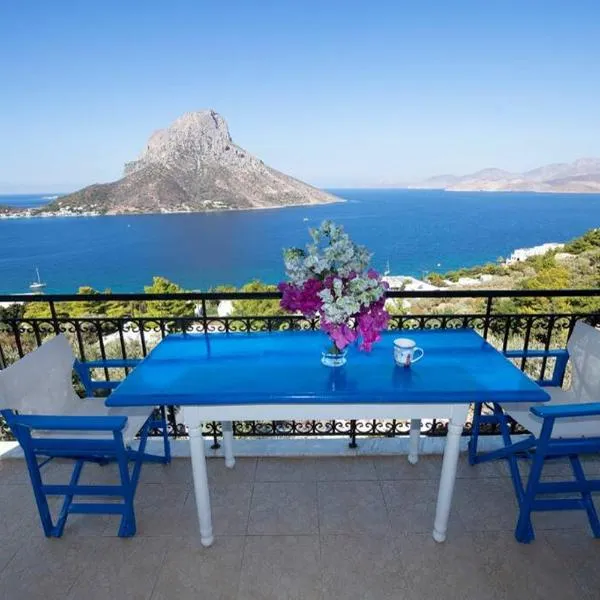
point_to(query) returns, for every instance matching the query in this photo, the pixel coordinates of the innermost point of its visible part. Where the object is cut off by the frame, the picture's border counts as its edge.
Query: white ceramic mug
(406, 352)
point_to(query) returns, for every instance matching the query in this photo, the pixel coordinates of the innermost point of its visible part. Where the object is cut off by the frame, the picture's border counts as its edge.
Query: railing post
(204, 316)
(54, 317)
(172, 419)
(215, 444)
(488, 312)
(353, 443)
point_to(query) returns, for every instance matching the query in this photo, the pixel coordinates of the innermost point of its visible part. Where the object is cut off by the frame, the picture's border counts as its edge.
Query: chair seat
(571, 427)
(94, 407)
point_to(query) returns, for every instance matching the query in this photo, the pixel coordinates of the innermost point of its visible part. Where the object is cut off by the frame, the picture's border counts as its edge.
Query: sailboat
(39, 284)
(387, 269)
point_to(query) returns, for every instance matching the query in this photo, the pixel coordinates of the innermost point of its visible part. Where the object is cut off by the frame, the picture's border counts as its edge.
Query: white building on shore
(521, 254)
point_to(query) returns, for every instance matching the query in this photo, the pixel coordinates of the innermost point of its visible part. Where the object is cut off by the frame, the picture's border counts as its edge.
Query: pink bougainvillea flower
(304, 299)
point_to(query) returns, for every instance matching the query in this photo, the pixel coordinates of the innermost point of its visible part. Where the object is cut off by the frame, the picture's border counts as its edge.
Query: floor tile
(352, 507)
(9, 547)
(122, 569)
(13, 471)
(46, 568)
(580, 554)
(283, 508)
(452, 569)
(361, 567)
(527, 571)
(286, 469)
(18, 512)
(412, 504)
(193, 572)
(281, 568)
(346, 468)
(398, 467)
(179, 470)
(158, 508)
(243, 471)
(493, 468)
(230, 503)
(485, 504)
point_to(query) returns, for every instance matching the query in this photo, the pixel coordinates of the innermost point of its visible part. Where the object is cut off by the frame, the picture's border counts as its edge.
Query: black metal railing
(130, 325)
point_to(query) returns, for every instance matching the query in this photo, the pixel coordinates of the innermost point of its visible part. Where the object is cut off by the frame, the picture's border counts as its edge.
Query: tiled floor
(323, 528)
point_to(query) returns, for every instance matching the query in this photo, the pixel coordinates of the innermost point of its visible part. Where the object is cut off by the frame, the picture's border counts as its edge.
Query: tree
(436, 279)
(588, 241)
(85, 308)
(267, 308)
(550, 277)
(12, 311)
(167, 308)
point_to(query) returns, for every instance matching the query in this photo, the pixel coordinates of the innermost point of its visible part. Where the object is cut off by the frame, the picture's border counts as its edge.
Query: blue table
(266, 376)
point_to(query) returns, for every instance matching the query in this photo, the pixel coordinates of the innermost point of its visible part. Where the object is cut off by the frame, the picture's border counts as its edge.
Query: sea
(411, 232)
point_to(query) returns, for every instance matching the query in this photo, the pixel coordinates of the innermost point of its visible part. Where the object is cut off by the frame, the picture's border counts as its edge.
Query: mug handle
(416, 358)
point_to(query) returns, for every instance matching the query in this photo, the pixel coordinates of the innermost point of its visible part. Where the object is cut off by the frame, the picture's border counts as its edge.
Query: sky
(338, 93)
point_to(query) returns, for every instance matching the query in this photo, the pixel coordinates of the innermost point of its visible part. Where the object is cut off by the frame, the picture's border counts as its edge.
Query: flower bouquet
(331, 279)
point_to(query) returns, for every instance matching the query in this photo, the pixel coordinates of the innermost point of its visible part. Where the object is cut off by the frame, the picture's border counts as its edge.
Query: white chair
(568, 425)
(49, 420)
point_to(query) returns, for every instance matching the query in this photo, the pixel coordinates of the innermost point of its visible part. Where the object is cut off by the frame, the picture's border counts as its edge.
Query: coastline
(504, 191)
(28, 215)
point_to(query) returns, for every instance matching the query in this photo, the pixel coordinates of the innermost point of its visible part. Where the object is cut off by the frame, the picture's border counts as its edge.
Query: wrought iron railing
(540, 319)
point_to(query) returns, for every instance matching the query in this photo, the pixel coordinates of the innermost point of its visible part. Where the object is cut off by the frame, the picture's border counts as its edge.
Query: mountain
(191, 166)
(580, 176)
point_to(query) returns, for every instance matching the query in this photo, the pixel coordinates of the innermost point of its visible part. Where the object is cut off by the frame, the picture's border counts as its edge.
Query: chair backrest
(584, 353)
(41, 381)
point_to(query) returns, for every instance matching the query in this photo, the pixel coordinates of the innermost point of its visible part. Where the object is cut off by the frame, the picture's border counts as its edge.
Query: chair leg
(586, 496)
(128, 525)
(64, 513)
(524, 531)
(513, 465)
(36, 483)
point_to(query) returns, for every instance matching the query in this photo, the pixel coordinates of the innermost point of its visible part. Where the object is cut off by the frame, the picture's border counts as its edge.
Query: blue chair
(50, 420)
(567, 426)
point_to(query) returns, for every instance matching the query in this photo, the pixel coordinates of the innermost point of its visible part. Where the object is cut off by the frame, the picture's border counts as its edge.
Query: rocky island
(191, 166)
(579, 177)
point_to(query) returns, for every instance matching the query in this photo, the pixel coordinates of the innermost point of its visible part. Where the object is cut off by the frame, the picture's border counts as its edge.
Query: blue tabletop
(285, 368)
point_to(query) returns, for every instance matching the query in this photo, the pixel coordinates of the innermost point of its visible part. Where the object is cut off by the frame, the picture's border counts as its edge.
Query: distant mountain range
(192, 166)
(580, 177)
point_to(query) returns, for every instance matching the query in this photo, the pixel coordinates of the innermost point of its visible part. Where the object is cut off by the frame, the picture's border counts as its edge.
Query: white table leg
(228, 443)
(413, 442)
(200, 482)
(447, 480)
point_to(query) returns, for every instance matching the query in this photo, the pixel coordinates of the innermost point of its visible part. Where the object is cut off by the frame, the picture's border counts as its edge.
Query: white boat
(39, 284)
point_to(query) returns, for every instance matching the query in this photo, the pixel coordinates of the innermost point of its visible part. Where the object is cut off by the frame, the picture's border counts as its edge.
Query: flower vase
(332, 356)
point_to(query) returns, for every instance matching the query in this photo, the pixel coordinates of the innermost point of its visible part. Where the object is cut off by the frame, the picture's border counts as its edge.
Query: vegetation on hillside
(575, 266)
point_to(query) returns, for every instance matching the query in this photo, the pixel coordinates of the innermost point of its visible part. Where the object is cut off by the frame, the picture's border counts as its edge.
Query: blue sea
(416, 231)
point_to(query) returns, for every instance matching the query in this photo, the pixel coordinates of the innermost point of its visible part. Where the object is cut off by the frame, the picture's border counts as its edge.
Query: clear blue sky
(336, 92)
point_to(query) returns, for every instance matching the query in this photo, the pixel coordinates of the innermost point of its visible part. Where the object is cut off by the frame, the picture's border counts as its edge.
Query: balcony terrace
(326, 527)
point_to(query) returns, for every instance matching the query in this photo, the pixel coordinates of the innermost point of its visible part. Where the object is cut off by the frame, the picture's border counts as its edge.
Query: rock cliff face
(192, 166)
(580, 176)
